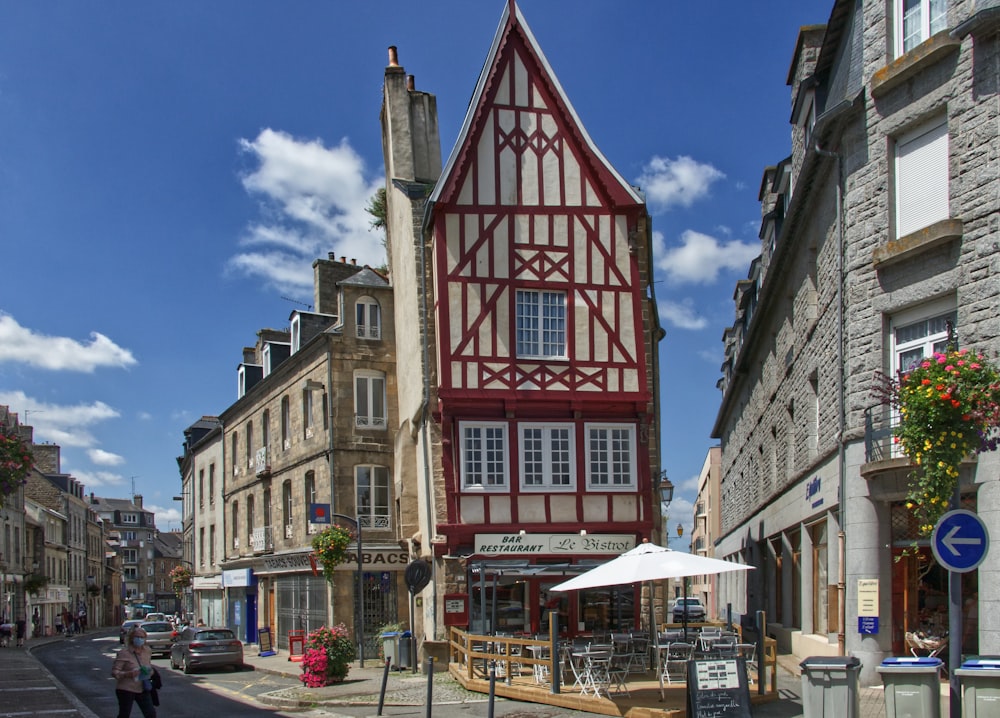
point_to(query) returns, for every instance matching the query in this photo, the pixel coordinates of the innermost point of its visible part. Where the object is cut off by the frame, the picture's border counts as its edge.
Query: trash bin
(830, 687)
(405, 660)
(980, 678)
(912, 687)
(390, 647)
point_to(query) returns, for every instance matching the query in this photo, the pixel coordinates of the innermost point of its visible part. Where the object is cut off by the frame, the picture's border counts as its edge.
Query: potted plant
(180, 576)
(328, 655)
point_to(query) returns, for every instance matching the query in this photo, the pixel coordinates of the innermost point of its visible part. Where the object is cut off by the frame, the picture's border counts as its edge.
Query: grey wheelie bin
(912, 687)
(980, 677)
(390, 647)
(830, 687)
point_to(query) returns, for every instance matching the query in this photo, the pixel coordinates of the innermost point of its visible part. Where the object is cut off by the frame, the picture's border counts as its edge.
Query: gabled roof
(510, 26)
(367, 277)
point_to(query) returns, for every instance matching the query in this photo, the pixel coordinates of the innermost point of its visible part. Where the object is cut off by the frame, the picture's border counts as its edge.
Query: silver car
(201, 647)
(159, 636)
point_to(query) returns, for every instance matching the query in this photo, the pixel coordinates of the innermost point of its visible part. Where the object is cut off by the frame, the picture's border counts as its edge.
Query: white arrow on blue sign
(960, 541)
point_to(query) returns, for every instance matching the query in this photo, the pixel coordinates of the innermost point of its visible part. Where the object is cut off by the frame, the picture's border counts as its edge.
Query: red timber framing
(528, 207)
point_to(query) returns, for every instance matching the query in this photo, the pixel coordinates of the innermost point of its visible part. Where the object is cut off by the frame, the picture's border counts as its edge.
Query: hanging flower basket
(180, 576)
(35, 583)
(949, 408)
(330, 548)
(16, 462)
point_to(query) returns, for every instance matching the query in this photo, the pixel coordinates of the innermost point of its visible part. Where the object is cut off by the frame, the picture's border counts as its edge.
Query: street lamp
(665, 489)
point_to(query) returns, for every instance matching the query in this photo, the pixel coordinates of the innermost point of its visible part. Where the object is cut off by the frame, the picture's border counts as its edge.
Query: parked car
(156, 617)
(127, 625)
(693, 607)
(202, 647)
(159, 636)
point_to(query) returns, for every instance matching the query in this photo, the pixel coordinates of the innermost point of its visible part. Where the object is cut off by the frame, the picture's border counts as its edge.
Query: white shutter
(921, 178)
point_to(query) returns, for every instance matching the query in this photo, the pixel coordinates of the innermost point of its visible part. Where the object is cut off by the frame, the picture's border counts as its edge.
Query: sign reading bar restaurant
(598, 544)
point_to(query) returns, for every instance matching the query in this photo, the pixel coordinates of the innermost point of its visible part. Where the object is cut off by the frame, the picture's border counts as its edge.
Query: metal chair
(675, 666)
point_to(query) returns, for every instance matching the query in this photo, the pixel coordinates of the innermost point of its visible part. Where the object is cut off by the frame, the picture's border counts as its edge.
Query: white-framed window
(547, 456)
(308, 424)
(368, 318)
(369, 400)
(919, 332)
(611, 457)
(372, 492)
(288, 508)
(921, 165)
(917, 20)
(296, 329)
(484, 456)
(130, 518)
(541, 324)
(286, 423)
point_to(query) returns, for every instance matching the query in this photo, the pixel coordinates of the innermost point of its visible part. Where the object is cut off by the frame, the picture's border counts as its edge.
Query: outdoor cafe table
(593, 670)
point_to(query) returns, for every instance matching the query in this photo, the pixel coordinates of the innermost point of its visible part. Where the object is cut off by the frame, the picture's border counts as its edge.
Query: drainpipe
(841, 412)
(424, 400)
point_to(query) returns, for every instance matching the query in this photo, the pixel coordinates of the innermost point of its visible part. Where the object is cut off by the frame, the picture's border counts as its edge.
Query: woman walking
(133, 674)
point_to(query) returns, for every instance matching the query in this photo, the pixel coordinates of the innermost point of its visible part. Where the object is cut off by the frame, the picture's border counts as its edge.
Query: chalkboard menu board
(718, 688)
(264, 641)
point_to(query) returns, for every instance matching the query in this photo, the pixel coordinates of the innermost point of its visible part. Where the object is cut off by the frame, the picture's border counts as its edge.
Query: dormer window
(296, 333)
(368, 318)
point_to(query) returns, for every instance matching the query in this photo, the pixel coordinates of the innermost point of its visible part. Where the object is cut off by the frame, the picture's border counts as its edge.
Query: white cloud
(164, 517)
(94, 479)
(676, 182)
(313, 202)
(104, 458)
(19, 344)
(682, 314)
(701, 258)
(68, 426)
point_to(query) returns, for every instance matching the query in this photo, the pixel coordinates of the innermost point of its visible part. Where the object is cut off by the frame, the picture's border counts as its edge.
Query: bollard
(430, 685)
(493, 689)
(385, 681)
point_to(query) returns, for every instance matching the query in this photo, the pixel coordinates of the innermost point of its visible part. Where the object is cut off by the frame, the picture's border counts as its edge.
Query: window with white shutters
(921, 177)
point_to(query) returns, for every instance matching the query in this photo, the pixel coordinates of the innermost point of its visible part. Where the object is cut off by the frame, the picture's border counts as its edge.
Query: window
(369, 400)
(265, 430)
(310, 494)
(484, 456)
(286, 421)
(211, 484)
(308, 426)
(250, 458)
(201, 488)
(610, 456)
(250, 518)
(921, 177)
(236, 524)
(541, 324)
(368, 318)
(211, 545)
(372, 487)
(286, 505)
(296, 332)
(267, 507)
(130, 518)
(917, 20)
(915, 338)
(547, 456)
(234, 451)
(201, 546)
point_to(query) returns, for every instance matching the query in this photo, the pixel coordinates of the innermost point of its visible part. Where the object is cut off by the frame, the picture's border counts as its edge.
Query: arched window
(368, 318)
(310, 494)
(250, 520)
(249, 438)
(236, 524)
(286, 420)
(286, 507)
(234, 450)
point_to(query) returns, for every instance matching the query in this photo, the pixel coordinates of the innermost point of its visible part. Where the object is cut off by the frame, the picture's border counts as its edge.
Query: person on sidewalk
(133, 674)
(20, 627)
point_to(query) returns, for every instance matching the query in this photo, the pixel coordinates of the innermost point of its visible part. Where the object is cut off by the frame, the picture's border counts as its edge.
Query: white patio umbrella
(649, 562)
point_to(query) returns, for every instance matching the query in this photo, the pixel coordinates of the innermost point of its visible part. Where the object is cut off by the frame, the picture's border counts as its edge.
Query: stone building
(313, 425)
(878, 245)
(135, 528)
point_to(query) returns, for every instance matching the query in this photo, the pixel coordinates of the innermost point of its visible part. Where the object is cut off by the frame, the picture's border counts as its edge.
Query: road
(83, 665)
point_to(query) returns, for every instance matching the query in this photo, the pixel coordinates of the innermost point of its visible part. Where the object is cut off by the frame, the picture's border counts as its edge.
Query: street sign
(960, 541)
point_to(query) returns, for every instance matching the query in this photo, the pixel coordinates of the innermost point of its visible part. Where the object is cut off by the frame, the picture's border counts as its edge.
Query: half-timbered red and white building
(527, 335)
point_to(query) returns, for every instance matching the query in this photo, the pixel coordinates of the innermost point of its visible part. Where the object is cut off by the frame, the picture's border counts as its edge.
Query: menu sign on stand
(718, 688)
(264, 641)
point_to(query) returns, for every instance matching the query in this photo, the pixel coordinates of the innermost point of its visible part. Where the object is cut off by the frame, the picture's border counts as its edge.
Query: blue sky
(169, 170)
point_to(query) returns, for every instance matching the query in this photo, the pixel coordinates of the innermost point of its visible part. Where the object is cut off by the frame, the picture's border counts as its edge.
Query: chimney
(137, 500)
(393, 56)
(343, 260)
(331, 256)
(354, 262)
(411, 83)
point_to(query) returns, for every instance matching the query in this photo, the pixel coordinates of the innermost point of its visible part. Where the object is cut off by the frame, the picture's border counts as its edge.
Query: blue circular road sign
(960, 541)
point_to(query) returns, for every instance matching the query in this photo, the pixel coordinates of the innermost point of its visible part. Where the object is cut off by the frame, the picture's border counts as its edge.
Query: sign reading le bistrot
(718, 688)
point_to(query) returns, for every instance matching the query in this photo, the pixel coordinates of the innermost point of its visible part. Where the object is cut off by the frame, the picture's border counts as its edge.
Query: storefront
(209, 600)
(241, 597)
(510, 578)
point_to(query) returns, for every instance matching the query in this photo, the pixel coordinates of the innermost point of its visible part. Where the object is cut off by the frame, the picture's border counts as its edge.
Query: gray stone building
(312, 424)
(878, 245)
(135, 528)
